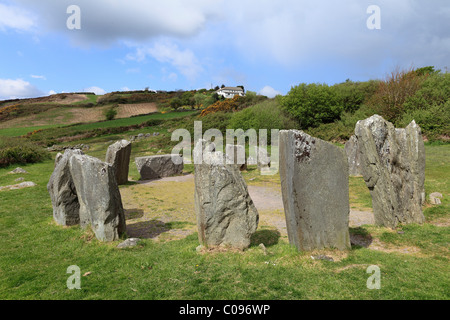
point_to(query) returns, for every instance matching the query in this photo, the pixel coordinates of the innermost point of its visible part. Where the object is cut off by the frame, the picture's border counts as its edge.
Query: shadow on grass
(153, 228)
(133, 213)
(360, 238)
(267, 237)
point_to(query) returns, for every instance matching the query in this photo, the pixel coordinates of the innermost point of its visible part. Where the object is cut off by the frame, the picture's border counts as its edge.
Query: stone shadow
(133, 213)
(146, 229)
(153, 228)
(360, 238)
(268, 237)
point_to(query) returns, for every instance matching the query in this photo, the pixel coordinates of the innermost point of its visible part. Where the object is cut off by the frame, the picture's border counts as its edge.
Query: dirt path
(155, 207)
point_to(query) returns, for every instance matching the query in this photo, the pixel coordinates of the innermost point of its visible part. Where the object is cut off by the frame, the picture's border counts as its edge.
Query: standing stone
(263, 159)
(99, 197)
(225, 212)
(314, 185)
(66, 208)
(238, 157)
(351, 149)
(156, 167)
(393, 167)
(118, 155)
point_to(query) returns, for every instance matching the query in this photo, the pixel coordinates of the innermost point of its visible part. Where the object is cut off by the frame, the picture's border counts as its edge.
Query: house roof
(231, 88)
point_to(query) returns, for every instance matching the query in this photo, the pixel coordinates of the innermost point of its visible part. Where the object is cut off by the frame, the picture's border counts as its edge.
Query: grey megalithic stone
(351, 149)
(118, 154)
(66, 208)
(238, 157)
(314, 185)
(225, 212)
(99, 197)
(263, 159)
(393, 167)
(155, 167)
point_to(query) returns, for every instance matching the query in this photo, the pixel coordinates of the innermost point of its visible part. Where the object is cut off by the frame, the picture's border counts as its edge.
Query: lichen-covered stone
(99, 197)
(66, 208)
(118, 154)
(236, 155)
(314, 185)
(393, 166)
(351, 149)
(226, 215)
(160, 166)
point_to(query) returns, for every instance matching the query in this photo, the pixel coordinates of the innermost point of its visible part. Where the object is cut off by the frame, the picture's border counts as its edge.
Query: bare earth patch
(164, 208)
(72, 115)
(129, 110)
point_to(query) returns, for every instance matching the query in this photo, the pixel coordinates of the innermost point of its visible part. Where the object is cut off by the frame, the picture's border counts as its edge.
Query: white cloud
(38, 77)
(13, 89)
(269, 92)
(12, 17)
(133, 70)
(184, 61)
(51, 92)
(96, 90)
(106, 21)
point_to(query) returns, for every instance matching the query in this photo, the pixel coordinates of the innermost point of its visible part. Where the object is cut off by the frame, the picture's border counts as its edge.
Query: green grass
(130, 121)
(16, 132)
(35, 254)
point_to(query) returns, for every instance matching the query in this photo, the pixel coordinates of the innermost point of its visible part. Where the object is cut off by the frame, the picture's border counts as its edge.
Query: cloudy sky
(266, 45)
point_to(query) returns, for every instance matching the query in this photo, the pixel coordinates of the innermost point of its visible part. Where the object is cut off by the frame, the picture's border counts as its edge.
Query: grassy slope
(35, 254)
(14, 132)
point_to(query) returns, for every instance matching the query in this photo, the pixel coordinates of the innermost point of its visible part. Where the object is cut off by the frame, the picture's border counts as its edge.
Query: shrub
(354, 94)
(20, 151)
(266, 115)
(110, 113)
(391, 95)
(312, 104)
(227, 105)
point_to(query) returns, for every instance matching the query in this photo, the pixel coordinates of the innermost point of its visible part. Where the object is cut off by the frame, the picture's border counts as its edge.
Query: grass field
(35, 253)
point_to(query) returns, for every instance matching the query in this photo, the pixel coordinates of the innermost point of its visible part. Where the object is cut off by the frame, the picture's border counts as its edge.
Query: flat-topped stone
(314, 185)
(159, 166)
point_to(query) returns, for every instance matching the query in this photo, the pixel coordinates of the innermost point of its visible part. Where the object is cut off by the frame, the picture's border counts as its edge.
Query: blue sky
(268, 46)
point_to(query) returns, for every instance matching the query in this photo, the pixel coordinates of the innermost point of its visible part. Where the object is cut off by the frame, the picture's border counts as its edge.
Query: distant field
(13, 132)
(71, 115)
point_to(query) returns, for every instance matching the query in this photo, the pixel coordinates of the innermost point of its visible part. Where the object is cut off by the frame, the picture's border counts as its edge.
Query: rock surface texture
(314, 185)
(351, 149)
(156, 167)
(226, 215)
(393, 167)
(99, 197)
(118, 155)
(66, 208)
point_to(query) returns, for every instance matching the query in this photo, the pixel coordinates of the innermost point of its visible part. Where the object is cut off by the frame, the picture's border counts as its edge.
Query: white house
(230, 92)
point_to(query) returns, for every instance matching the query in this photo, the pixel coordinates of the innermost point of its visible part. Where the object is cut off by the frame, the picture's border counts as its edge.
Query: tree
(176, 103)
(312, 104)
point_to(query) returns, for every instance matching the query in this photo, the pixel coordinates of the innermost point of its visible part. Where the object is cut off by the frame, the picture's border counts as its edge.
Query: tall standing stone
(314, 185)
(99, 197)
(118, 154)
(393, 167)
(225, 212)
(66, 208)
(351, 149)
